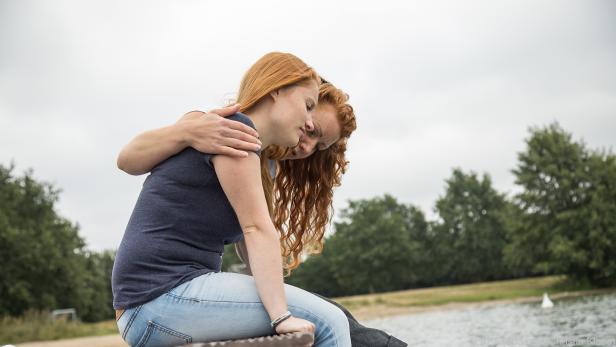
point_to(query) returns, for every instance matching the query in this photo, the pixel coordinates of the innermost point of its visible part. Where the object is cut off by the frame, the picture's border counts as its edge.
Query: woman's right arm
(240, 179)
(205, 132)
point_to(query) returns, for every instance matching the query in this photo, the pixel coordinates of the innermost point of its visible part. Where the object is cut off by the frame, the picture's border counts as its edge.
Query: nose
(309, 123)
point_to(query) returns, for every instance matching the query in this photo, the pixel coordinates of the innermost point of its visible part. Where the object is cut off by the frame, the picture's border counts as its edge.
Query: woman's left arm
(240, 179)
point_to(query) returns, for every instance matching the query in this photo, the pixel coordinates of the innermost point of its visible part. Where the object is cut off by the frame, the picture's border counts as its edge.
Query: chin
(293, 142)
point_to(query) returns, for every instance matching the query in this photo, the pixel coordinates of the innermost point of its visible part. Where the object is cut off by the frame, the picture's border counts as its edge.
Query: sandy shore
(362, 314)
(94, 341)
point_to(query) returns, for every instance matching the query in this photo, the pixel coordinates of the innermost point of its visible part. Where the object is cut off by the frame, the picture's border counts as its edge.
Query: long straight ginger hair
(272, 72)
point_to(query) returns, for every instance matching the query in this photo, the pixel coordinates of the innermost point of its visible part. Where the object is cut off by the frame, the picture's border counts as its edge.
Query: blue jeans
(222, 306)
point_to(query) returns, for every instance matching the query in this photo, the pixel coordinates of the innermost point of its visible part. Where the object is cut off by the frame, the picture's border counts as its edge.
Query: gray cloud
(435, 85)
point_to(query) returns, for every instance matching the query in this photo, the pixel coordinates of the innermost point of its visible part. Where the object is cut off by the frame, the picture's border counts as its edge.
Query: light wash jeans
(222, 306)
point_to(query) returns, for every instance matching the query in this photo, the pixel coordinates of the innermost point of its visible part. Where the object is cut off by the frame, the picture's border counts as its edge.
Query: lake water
(582, 321)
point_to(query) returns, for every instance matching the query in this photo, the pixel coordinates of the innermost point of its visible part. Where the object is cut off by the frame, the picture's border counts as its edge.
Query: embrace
(259, 174)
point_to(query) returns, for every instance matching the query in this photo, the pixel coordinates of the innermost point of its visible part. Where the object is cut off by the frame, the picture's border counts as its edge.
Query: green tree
(568, 205)
(372, 248)
(316, 274)
(44, 261)
(471, 235)
(230, 257)
(96, 299)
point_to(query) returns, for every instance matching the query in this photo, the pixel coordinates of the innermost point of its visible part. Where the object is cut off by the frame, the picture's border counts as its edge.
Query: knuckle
(193, 113)
(243, 136)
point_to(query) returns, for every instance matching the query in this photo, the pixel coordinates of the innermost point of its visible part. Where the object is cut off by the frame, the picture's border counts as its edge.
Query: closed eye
(310, 106)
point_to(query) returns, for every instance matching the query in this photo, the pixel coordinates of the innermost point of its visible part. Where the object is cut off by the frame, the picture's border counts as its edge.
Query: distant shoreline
(377, 312)
(414, 301)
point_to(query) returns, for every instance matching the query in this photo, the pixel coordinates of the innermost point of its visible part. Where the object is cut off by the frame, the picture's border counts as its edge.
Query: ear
(274, 94)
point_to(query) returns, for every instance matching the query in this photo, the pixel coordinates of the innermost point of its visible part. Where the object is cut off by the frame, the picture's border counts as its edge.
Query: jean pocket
(159, 335)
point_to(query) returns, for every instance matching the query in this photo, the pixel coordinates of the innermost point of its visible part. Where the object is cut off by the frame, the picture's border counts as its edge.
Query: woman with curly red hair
(301, 193)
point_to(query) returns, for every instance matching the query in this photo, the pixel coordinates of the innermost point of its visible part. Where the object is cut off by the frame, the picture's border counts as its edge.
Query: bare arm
(205, 132)
(240, 179)
(151, 148)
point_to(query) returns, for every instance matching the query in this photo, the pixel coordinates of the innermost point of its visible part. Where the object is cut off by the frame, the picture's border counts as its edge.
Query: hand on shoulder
(211, 132)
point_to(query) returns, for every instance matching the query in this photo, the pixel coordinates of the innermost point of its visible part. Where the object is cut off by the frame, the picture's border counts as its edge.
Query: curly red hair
(301, 197)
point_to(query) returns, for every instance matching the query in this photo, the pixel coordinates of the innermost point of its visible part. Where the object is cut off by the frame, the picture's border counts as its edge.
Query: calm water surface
(583, 321)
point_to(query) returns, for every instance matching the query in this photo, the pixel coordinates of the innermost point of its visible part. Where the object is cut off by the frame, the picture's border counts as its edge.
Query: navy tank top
(177, 231)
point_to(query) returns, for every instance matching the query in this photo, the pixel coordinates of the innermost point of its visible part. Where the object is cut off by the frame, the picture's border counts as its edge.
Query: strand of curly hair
(301, 197)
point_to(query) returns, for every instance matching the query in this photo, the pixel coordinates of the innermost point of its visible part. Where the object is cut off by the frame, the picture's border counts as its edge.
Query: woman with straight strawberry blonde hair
(300, 180)
(167, 285)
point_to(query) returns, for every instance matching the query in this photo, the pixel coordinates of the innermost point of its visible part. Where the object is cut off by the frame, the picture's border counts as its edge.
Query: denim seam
(146, 337)
(130, 322)
(203, 300)
(164, 329)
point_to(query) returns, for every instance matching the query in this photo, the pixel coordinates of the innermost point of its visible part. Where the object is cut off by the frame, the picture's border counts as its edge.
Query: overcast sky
(435, 85)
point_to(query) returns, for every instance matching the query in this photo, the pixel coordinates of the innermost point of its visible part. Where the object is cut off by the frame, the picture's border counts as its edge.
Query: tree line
(562, 221)
(45, 263)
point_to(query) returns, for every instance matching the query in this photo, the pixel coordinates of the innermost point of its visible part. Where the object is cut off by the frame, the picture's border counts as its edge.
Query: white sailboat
(546, 303)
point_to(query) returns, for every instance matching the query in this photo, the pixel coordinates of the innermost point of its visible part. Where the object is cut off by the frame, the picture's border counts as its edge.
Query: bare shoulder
(240, 179)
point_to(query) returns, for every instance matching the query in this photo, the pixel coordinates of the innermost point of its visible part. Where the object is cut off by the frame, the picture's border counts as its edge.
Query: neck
(260, 117)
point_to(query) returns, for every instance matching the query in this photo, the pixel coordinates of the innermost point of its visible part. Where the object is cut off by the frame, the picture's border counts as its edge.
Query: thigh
(220, 306)
(239, 289)
(330, 322)
(224, 291)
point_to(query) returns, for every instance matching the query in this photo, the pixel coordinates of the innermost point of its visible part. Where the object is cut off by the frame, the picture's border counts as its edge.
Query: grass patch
(38, 326)
(477, 292)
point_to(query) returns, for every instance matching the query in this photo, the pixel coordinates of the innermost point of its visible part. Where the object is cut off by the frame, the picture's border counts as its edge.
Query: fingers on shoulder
(194, 113)
(235, 125)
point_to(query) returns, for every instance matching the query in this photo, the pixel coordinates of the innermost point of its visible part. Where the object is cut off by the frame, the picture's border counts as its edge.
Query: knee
(332, 328)
(338, 320)
(327, 318)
